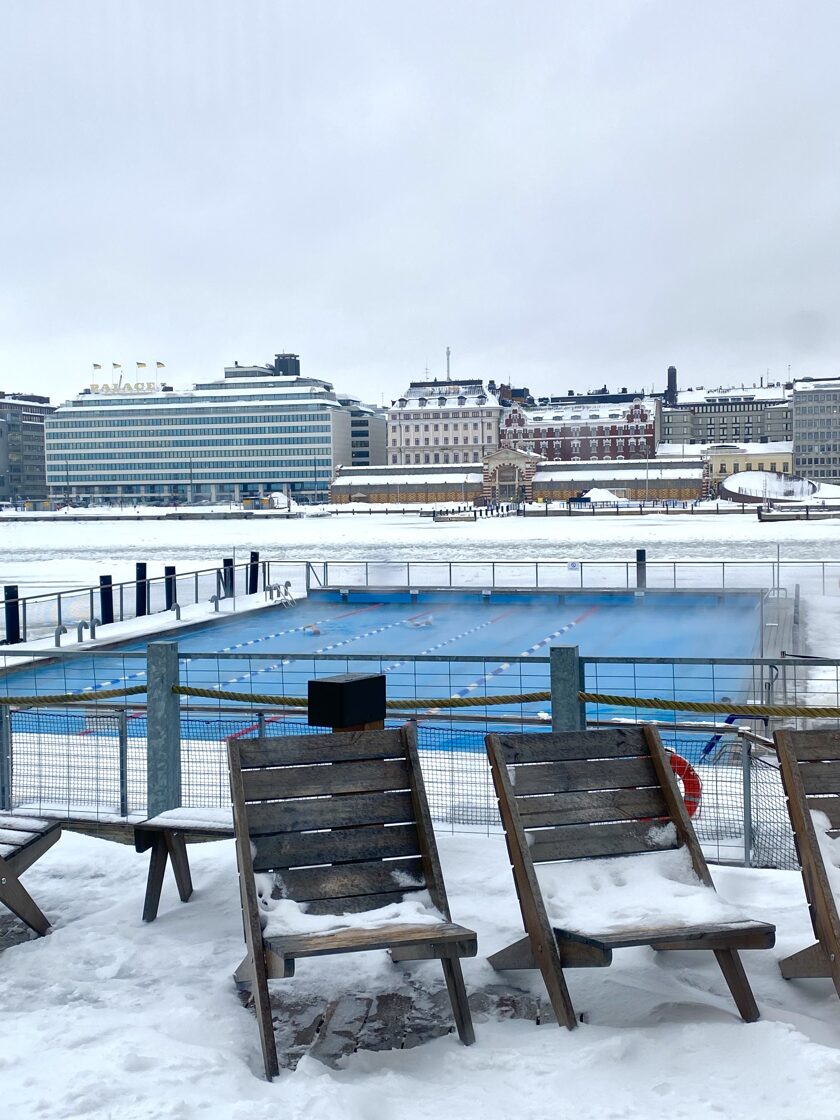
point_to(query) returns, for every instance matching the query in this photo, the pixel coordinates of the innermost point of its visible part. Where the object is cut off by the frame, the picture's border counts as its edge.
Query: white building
(443, 422)
(256, 430)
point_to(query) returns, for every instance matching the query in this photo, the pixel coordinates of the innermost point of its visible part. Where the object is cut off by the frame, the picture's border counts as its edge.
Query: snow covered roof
(388, 479)
(677, 450)
(446, 394)
(581, 472)
(597, 411)
(766, 484)
(735, 395)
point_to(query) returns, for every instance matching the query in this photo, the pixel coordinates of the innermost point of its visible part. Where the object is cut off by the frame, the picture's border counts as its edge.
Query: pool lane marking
(396, 664)
(325, 649)
(229, 649)
(505, 665)
(449, 641)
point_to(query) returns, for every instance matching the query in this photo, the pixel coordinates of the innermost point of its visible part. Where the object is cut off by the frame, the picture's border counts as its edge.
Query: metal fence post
(122, 733)
(567, 712)
(747, 798)
(5, 757)
(163, 716)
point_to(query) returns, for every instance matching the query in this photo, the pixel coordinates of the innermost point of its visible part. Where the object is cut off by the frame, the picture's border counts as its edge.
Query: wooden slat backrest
(586, 794)
(809, 762)
(338, 819)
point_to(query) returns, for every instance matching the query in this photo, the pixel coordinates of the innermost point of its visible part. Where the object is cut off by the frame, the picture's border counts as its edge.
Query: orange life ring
(691, 784)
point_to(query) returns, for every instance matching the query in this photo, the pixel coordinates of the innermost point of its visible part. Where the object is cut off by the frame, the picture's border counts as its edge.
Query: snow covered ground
(109, 1018)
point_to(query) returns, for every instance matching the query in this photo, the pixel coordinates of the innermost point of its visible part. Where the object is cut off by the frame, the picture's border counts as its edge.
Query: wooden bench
(166, 837)
(810, 769)
(582, 795)
(342, 823)
(23, 840)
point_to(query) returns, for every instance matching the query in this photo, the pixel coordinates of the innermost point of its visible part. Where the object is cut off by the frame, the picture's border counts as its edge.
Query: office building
(256, 430)
(22, 463)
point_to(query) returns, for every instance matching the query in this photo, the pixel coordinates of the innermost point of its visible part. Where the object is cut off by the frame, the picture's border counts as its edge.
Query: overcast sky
(566, 193)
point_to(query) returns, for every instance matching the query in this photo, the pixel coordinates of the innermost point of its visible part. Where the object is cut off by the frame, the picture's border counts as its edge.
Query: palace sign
(126, 387)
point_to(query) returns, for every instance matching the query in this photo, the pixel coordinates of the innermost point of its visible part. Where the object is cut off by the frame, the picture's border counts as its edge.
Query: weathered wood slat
(703, 935)
(564, 777)
(354, 904)
(816, 746)
(329, 812)
(25, 824)
(590, 841)
(828, 805)
(592, 807)
(621, 742)
(342, 845)
(307, 750)
(818, 890)
(346, 880)
(377, 937)
(312, 781)
(820, 777)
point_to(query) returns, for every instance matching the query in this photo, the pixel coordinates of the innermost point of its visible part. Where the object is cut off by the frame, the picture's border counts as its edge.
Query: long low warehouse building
(514, 476)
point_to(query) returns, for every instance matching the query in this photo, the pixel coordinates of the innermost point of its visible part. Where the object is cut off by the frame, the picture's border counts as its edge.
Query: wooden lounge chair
(23, 840)
(579, 795)
(343, 838)
(810, 769)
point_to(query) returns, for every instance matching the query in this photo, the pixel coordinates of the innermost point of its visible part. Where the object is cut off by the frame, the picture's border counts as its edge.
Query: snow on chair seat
(604, 856)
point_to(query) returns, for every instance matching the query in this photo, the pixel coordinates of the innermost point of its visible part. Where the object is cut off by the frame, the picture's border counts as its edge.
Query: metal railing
(781, 576)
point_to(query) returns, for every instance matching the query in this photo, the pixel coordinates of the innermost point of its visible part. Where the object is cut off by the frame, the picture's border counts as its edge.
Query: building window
(393, 458)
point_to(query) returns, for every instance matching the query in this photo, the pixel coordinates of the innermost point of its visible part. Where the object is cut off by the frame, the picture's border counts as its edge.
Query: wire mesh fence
(91, 765)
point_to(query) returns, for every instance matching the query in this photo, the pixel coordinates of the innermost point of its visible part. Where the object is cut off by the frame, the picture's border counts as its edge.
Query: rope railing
(70, 697)
(748, 711)
(396, 705)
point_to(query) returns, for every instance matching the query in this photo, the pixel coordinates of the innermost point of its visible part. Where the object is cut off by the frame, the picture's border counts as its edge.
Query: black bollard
(641, 567)
(170, 586)
(227, 577)
(106, 600)
(253, 573)
(141, 590)
(11, 606)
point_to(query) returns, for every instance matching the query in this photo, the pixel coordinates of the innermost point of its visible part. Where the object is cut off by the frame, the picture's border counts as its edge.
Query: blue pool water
(370, 631)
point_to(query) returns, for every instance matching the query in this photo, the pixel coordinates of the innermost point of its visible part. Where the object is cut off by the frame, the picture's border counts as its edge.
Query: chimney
(671, 391)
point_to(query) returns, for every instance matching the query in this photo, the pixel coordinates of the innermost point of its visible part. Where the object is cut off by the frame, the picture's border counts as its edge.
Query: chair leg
(458, 997)
(177, 848)
(18, 899)
(739, 986)
(262, 1007)
(154, 883)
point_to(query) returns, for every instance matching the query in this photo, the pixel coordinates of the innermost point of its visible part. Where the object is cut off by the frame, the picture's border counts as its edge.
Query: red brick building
(585, 429)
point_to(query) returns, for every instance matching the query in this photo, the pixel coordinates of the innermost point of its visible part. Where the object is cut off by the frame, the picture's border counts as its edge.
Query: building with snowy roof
(439, 422)
(586, 428)
(513, 475)
(755, 414)
(816, 428)
(256, 430)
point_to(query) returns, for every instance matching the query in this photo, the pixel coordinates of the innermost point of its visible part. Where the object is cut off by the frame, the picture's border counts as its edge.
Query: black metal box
(346, 700)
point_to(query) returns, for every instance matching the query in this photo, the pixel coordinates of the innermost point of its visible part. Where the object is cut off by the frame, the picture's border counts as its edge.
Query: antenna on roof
(448, 352)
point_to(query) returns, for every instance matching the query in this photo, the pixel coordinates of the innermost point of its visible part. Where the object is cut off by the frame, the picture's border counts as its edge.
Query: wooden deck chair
(580, 795)
(23, 840)
(810, 769)
(343, 823)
